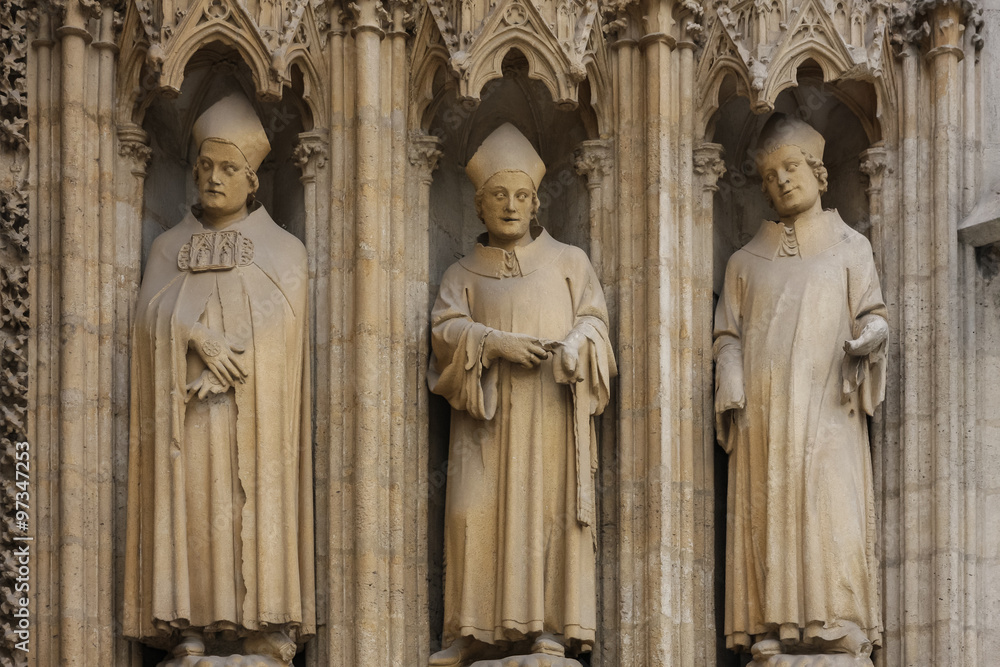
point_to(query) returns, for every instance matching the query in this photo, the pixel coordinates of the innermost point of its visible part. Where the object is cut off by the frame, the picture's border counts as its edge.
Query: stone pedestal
(532, 660)
(813, 660)
(224, 661)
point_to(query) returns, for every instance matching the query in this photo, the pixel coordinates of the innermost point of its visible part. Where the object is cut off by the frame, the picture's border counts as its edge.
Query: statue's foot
(189, 645)
(453, 655)
(277, 645)
(547, 644)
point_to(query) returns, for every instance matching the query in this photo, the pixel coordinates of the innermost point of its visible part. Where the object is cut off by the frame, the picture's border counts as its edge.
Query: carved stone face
(507, 207)
(789, 181)
(223, 186)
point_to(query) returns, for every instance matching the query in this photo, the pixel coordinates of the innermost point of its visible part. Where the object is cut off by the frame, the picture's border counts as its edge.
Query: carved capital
(424, 153)
(874, 164)
(133, 144)
(593, 159)
(709, 165)
(310, 154)
(937, 26)
(368, 15)
(691, 24)
(401, 16)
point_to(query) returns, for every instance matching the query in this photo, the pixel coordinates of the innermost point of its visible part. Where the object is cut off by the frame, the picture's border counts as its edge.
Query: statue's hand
(567, 357)
(219, 354)
(203, 385)
(874, 334)
(527, 351)
(730, 395)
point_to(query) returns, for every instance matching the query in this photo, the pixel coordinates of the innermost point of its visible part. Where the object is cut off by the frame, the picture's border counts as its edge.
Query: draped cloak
(220, 529)
(519, 514)
(800, 541)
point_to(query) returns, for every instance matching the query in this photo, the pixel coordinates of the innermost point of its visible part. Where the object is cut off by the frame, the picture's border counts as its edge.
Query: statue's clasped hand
(219, 355)
(872, 336)
(528, 351)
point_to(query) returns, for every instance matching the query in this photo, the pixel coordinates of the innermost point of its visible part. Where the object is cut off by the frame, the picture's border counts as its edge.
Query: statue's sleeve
(456, 368)
(728, 350)
(590, 325)
(866, 375)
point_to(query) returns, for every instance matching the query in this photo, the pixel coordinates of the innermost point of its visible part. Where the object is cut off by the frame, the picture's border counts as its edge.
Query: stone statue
(521, 351)
(800, 334)
(219, 555)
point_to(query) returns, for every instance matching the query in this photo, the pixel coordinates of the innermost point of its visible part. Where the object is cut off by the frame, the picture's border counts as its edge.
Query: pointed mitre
(505, 150)
(234, 121)
(781, 130)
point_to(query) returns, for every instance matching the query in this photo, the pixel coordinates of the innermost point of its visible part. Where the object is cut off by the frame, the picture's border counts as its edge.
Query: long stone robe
(519, 516)
(801, 519)
(220, 532)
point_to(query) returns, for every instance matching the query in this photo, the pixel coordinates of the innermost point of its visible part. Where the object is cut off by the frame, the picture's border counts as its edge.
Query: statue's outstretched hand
(218, 353)
(874, 334)
(527, 351)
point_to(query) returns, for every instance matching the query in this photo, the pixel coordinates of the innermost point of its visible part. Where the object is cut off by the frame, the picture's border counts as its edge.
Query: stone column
(112, 363)
(594, 159)
(334, 367)
(707, 167)
(909, 637)
(628, 612)
(310, 156)
(134, 155)
(77, 390)
(691, 318)
(424, 152)
(371, 345)
(44, 337)
(403, 644)
(946, 20)
(658, 343)
(873, 165)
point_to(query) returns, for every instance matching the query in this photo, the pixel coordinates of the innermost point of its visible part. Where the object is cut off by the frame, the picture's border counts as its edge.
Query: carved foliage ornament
(14, 17)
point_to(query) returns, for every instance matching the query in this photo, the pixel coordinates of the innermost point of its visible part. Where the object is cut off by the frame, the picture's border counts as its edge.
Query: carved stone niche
(453, 227)
(844, 113)
(212, 73)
